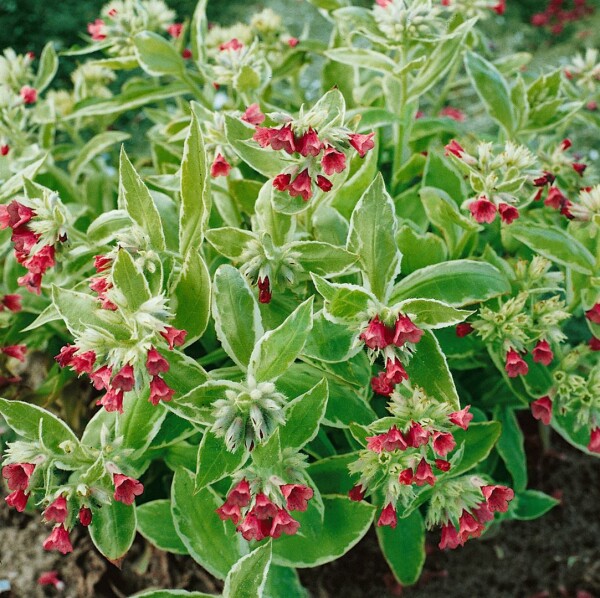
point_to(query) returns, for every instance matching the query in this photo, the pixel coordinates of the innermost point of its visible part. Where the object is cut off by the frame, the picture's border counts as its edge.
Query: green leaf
(322, 258)
(432, 249)
(344, 302)
(211, 542)
(248, 576)
(404, 547)
(331, 474)
(321, 540)
(155, 523)
(15, 183)
(237, 317)
(530, 504)
(329, 341)
(283, 581)
(492, 89)
(229, 241)
(566, 426)
(195, 405)
(195, 195)
(192, 291)
(171, 594)
(278, 349)
(555, 244)
(96, 146)
(215, 460)
(457, 283)
(478, 441)
(113, 529)
(27, 420)
(47, 68)
(372, 237)
(303, 417)
(429, 369)
(157, 56)
(362, 57)
(136, 199)
(511, 448)
(130, 281)
(431, 313)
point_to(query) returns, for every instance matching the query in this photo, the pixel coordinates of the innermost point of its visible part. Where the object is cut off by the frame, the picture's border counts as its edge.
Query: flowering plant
(316, 296)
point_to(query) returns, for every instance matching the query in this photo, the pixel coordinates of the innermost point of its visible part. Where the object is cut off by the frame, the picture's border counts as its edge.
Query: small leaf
(531, 504)
(432, 314)
(229, 241)
(478, 441)
(130, 281)
(215, 460)
(47, 68)
(113, 529)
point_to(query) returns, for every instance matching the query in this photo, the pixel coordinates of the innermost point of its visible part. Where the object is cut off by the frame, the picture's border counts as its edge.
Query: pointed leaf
(248, 576)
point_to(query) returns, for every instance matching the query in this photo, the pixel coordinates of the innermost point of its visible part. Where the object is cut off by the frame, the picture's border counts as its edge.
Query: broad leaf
(248, 576)
(215, 460)
(113, 529)
(155, 523)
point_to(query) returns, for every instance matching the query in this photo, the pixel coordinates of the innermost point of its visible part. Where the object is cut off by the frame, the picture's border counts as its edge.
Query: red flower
(309, 144)
(229, 511)
(97, 30)
(461, 418)
(296, 496)
(17, 500)
(101, 377)
(232, 44)
(394, 371)
(17, 475)
(545, 179)
(4, 149)
(18, 215)
(28, 94)
(483, 513)
(240, 494)
(565, 144)
(406, 477)
(442, 465)
(508, 213)
(450, 538)
(156, 363)
(417, 436)
(293, 42)
(301, 185)
(500, 7)
(515, 365)
(388, 516)
(263, 136)
(453, 113)
(333, 161)
(464, 329)
(393, 440)
(377, 335)
(443, 443)
(50, 578)
(57, 510)
(594, 444)
(362, 143)
(175, 30)
(382, 385)
(594, 344)
(455, 149)
(469, 527)
(283, 523)
(555, 198)
(220, 166)
(112, 400)
(593, 314)
(85, 516)
(15, 351)
(124, 379)
(542, 353)
(375, 443)
(84, 362)
(174, 336)
(542, 410)
(101, 263)
(159, 391)
(424, 474)
(356, 493)
(264, 290)
(579, 168)
(263, 508)
(58, 540)
(186, 54)
(483, 210)
(323, 183)
(282, 182)
(65, 355)
(253, 115)
(126, 488)
(282, 139)
(406, 331)
(497, 497)
(254, 529)
(383, 3)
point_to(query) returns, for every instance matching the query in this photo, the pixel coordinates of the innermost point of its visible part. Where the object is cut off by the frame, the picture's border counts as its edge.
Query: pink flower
(17, 475)
(263, 508)
(545, 179)
(100, 284)
(240, 494)
(17, 500)
(84, 362)
(383, 3)
(124, 379)
(461, 418)
(126, 488)
(469, 527)
(282, 181)
(112, 13)
(159, 391)
(101, 263)
(324, 183)
(229, 511)
(406, 331)
(283, 523)
(41, 261)
(15, 351)
(443, 443)
(18, 215)
(293, 42)
(50, 578)
(362, 143)
(542, 353)
(377, 335)
(464, 329)
(254, 529)
(301, 185)
(85, 516)
(309, 144)
(394, 371)
(406, 477)
(388, 516)
(264, 290)
(593, 314)
(174, 336)
(450, 538)
(424, 474)
(97, 30)
(455, 149)
(579, 168)
(375, 443)
(555, 198)
(382, 385)
(453, 113)
(594, 444)
(542, 410)
(32, 282)
(66, 354)
(156, 363)
(58, 540)
(296, 496)
(263, 136)
(515, 365)
(416, 436)
(442, 465)
(508, 213)
(282, 139)
(333, 161)
(483, 513)
(220, 166)
(175, 30)
(356, 493)
(101, 377)
(57, 510)
(112, 400)
(483, 210)
(497, 497)
(253, 115)
(28, 94)
(393, 440)
(233, 44)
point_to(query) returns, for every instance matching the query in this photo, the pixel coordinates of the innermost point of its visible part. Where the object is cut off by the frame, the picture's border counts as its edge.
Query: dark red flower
(309, 144)
(497, 497)
(443, 443)
(542, 353)
(156, 363)
(17, 500)
(57, 510)
(483, 210)
(424, 474)
(124, 379)
(333, 161)
(15, 351)
(461, 418)
(174, 336)
(388, 516)
(362, 143)
(405, 331)
(264, 290)
(85, 516)
(463, 329)
(301, 185)
(508, 213)
(356, 493)
(17, 475)
(283, 523)
(159, 391)
(220, 166)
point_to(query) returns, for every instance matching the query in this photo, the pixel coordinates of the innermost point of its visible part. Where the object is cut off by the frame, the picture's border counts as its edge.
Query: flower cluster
(496, 178)
(556, 16)
(258, 515)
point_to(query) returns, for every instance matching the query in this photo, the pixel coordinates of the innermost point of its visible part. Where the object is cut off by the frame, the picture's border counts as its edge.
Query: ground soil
(555, 556)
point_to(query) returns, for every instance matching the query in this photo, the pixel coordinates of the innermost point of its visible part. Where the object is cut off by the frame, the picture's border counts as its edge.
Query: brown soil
(556, 556)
